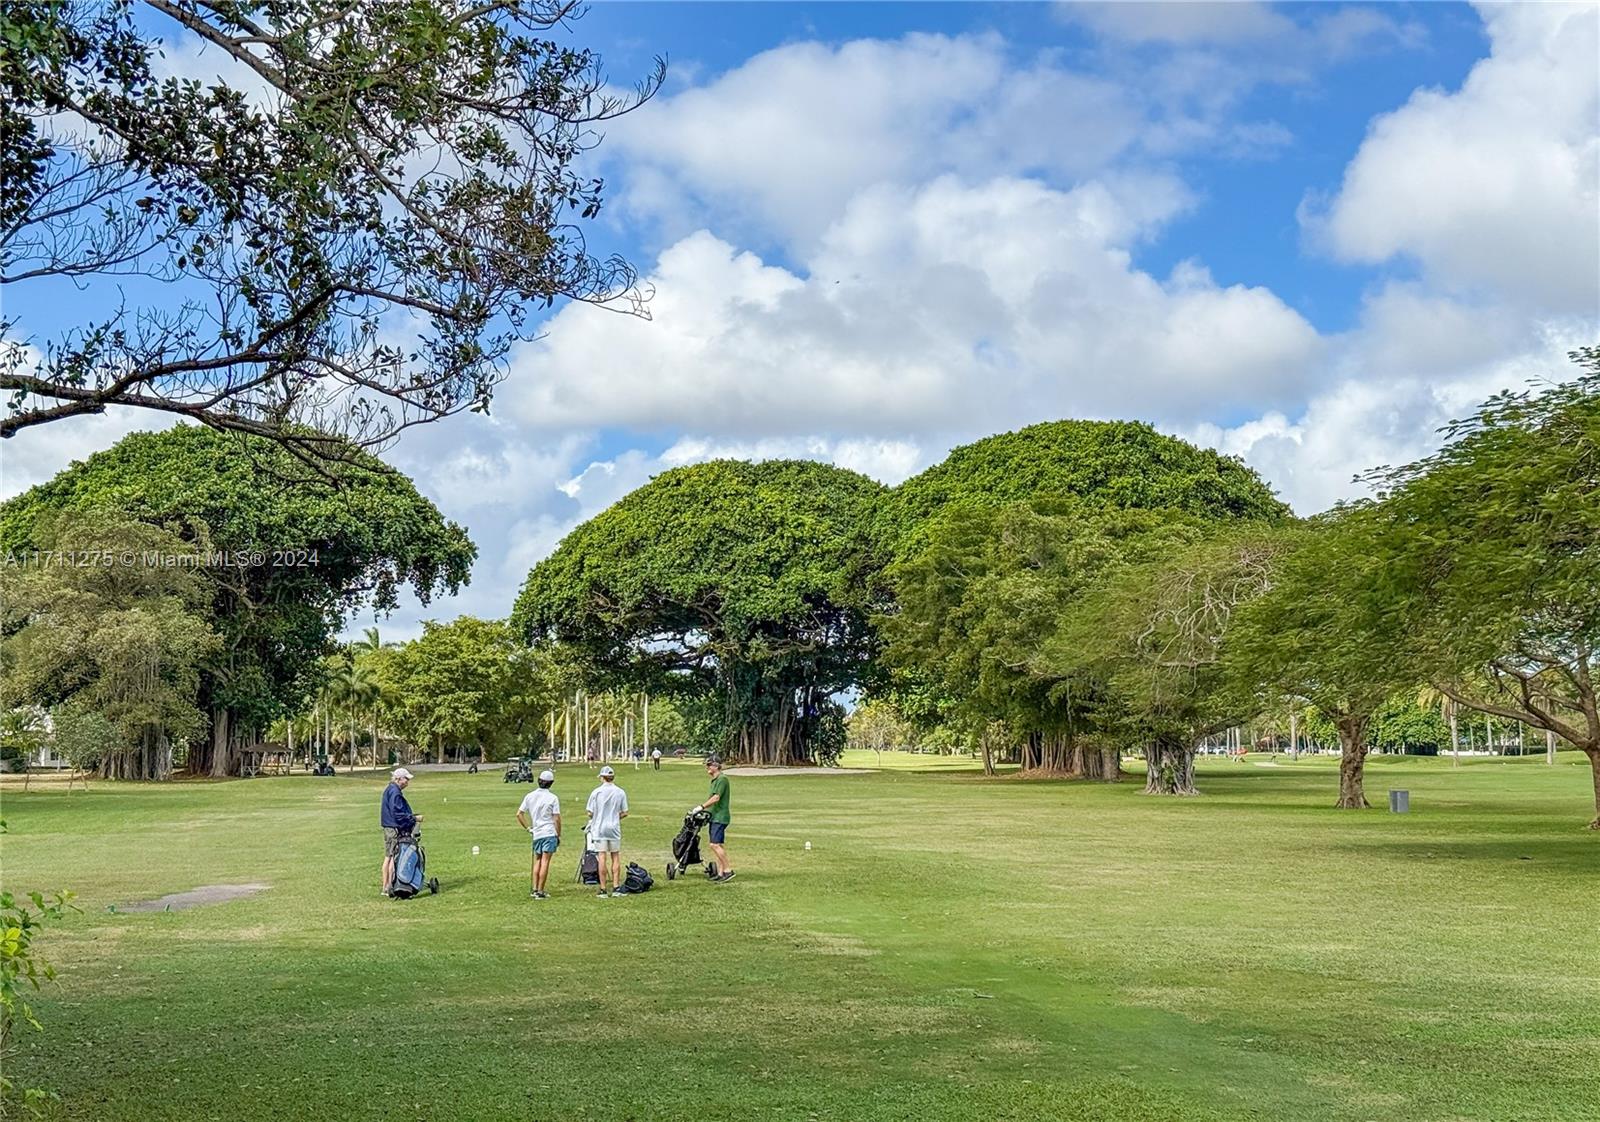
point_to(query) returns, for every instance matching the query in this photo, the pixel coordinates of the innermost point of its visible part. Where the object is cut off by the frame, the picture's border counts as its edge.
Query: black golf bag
(588, 865)
(686, 846)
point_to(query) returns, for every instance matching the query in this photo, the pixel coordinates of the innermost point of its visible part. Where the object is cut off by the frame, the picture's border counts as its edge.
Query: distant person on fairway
(655, 759)
(540, 815)
(394, 815)
(608, 806)
(721, 814)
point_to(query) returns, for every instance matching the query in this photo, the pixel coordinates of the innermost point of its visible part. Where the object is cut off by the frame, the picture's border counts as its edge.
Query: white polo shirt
(607, 803)
(541, 808)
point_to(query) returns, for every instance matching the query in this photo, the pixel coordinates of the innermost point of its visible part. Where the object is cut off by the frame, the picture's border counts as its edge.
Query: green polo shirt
(720, 812)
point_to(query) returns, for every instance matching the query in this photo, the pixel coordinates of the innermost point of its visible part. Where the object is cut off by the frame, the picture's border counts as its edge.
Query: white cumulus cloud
(952, 306)
(1495, 186)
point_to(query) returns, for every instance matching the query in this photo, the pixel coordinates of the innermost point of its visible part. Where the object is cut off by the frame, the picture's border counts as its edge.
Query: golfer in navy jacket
(396, 819)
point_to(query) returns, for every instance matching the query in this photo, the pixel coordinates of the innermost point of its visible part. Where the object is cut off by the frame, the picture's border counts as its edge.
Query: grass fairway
(951, 948)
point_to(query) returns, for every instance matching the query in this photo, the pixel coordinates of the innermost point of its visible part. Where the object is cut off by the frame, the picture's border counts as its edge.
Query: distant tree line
(1061, 597)
(1077, 592)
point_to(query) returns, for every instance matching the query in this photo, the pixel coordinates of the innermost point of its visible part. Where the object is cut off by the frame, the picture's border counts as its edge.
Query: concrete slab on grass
(196, 897)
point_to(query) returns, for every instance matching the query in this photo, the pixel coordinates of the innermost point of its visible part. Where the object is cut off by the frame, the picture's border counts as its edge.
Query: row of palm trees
(350, 698)
(607, 726)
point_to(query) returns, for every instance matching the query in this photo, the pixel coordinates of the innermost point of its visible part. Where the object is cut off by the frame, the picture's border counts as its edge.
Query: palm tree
(1428, 697)
(354, 689)
(361, 652)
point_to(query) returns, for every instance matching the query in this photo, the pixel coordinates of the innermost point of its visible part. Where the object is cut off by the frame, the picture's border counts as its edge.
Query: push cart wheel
(672, 872)
(433, 886)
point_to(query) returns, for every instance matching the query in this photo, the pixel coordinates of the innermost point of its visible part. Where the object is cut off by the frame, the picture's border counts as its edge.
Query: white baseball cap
(547, 776)
(606, 772)
(400, 773)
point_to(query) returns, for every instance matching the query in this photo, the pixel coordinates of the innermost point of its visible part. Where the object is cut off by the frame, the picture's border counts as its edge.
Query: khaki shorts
(606, 845)
(391, 841)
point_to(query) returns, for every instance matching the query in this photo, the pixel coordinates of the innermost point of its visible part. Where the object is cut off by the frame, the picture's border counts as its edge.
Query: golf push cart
(686, 846)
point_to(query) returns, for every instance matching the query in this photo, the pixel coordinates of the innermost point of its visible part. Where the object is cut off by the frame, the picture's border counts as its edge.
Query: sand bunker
(195, 897)
(798, 770)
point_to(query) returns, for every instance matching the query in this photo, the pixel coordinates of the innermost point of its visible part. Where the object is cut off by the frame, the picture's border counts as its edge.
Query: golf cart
(519, 769)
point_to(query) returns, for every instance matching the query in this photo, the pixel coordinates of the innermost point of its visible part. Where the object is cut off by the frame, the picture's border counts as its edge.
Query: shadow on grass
(1543, 854)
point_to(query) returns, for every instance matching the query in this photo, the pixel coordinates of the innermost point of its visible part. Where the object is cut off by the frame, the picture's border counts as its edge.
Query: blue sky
(1307, 235)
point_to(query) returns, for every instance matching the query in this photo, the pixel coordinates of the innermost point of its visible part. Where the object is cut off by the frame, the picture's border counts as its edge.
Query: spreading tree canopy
(1122, 464)
(1493, 555)
(82, 631)
(754, 583)
(367, 174)
(1327, 631)
(286, 563)
(467, 684)
(1152, 637)
(976, 605)
(997, 543)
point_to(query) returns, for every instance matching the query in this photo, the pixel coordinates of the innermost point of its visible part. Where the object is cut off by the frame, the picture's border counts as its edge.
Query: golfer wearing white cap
(394, 815)
(540, 815)
(608, 806)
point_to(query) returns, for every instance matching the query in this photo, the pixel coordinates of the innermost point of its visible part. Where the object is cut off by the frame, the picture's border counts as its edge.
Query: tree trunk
(148, 758)
(774, 742)
(223, 762)
(1594, 768)
(1352, 762)
(1103, 764)
(1169, 768)
(1061, 754)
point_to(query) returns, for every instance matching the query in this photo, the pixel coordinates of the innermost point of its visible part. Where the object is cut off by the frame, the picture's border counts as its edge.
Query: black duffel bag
(636, 879)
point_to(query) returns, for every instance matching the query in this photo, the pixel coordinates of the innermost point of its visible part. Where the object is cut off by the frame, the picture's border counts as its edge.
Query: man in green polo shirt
(718, 803)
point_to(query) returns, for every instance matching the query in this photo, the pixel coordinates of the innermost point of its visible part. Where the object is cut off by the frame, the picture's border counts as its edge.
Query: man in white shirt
(540, 815)
(655, 759)
(608, 806)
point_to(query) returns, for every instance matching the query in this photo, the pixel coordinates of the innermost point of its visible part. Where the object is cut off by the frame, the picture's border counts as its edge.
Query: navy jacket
(396, 813)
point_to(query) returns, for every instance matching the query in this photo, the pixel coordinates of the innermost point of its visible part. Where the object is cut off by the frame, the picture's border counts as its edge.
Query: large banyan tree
(751, 583)
(993, 546)
(287, 555)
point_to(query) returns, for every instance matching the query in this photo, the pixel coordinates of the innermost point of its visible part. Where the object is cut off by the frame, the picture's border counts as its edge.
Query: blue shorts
(719, 830)
(545, 845)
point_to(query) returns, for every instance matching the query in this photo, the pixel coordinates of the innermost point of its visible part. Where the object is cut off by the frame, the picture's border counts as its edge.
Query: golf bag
(588, 866)
(686, 846)
(637, 879)
(411, 869)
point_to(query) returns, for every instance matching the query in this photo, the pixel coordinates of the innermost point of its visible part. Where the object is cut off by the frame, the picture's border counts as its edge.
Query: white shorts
(606, 845)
